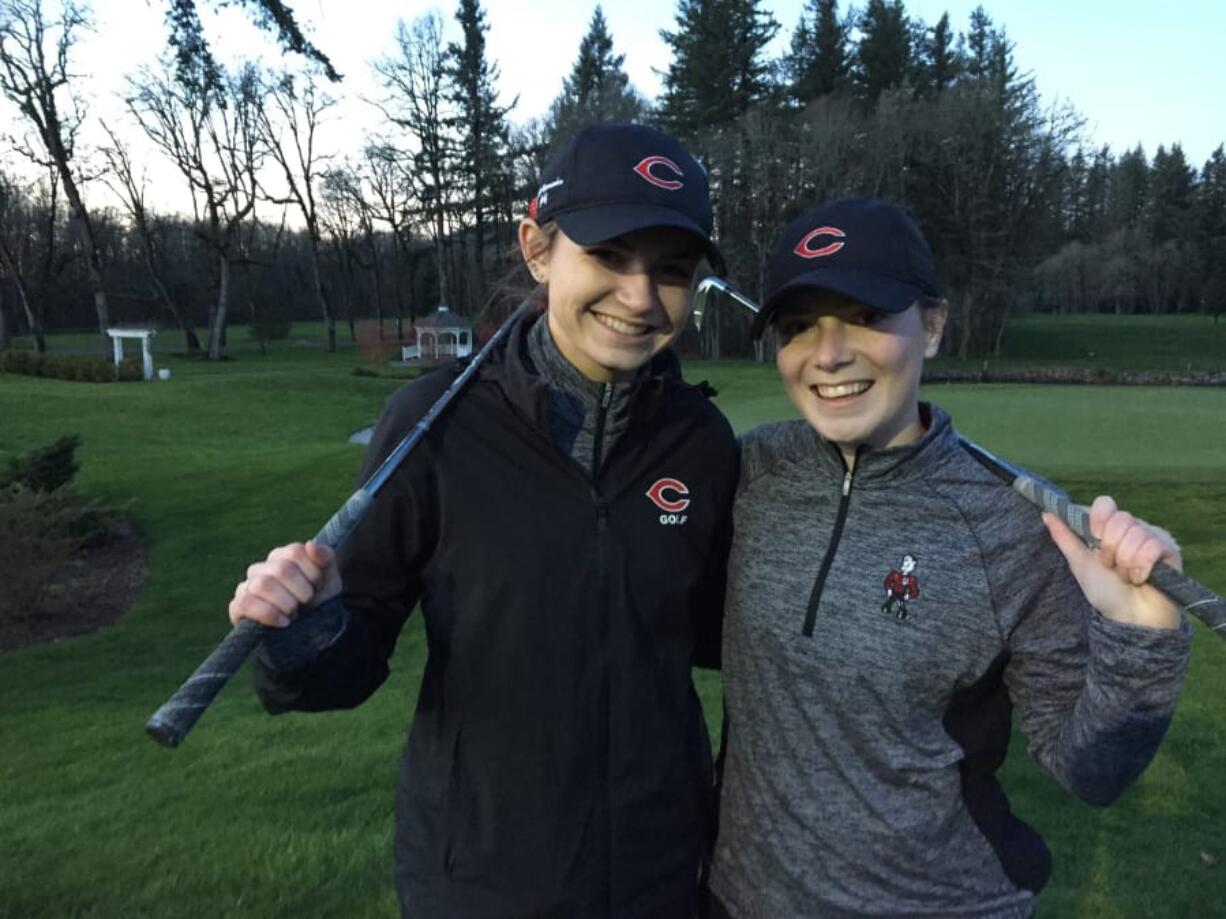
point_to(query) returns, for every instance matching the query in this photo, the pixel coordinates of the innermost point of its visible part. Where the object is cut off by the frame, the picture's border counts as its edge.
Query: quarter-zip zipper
(815, 598)
(602, 411)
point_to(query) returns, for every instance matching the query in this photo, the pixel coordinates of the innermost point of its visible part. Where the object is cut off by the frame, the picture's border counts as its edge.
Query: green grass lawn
(289, 817)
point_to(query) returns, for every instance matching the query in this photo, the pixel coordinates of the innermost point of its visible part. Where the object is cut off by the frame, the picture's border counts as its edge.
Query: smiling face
(614, 305)
(852, 371)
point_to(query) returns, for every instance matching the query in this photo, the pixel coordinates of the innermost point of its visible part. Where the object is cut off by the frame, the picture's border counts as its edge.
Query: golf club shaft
(170, 724)
(1189, 593)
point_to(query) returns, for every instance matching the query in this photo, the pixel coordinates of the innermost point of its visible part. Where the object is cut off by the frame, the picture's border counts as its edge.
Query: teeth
(621, 325)
(838, 390)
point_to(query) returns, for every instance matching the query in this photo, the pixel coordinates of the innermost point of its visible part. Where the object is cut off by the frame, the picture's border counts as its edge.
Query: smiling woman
(892, 604)
(853, 371)
(613, 305)
(558, 763)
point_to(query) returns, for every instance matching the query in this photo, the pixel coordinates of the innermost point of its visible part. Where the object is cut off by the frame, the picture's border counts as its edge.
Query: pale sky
(1138, 71)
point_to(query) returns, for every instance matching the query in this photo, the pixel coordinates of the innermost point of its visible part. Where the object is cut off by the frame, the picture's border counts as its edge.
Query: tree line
(869, 99)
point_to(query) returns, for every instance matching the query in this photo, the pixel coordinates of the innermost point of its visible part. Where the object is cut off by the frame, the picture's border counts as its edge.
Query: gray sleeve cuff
(1145, 659)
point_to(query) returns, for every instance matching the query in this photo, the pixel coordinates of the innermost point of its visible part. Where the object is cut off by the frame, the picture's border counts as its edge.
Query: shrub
(269, 323)
(44, 469)
(129, 370)
(372, 349)
(69, 367)
(35, 542)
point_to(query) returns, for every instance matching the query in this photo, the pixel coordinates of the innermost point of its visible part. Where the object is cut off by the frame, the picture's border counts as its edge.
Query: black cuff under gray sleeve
(294, 648)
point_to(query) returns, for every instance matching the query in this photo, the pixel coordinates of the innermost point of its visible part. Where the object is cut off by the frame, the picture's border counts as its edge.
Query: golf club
(1194, 597)
(170, 724)
(710, 285)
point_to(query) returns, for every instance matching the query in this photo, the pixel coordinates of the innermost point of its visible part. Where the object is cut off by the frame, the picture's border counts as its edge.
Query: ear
(934, 326)
(534, 247)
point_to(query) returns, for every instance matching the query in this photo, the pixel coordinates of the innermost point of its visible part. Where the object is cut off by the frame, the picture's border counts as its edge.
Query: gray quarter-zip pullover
(881, 627)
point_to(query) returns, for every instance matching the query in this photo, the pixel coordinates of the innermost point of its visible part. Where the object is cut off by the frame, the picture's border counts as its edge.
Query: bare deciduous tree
(287, 124)
(15, 218)
(392, 202)
(35, 77)
(213, 140)
(130, 189)
(416, 83)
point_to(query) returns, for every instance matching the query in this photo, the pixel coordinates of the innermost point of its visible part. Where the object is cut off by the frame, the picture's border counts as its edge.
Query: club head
(707, 288)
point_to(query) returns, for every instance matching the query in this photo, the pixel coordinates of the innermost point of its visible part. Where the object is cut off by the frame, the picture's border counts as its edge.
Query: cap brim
(598, 224)
(886, 294)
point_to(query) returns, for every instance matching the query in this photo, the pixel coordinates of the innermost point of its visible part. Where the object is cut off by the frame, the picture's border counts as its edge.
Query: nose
(830, 350)
(637, 290)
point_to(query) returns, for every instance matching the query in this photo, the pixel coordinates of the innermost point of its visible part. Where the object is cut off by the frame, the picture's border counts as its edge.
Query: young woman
(891, 603)
(565, 529)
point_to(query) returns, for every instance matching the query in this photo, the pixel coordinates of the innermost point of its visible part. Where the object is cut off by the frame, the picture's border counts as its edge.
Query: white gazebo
(439, 335)
(117, 337)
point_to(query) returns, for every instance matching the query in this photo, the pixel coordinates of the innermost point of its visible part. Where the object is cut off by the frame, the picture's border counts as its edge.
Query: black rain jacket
(558, 763)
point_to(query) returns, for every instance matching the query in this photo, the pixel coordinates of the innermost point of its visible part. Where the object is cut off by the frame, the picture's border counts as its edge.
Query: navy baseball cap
(866, 249)
(616, 178)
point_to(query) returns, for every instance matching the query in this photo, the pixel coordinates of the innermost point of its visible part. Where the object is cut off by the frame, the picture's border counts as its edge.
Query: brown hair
(516, 284)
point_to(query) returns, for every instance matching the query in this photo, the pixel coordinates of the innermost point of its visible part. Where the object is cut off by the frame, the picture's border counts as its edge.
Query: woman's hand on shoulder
(1113, 576)
(291, 577)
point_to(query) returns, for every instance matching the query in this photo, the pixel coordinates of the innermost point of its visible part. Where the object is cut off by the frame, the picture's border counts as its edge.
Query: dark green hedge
(70, 367)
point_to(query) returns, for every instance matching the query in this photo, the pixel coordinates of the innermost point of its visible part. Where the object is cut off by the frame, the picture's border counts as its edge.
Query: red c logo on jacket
(669, 506)
(644, 169)
(802, 248)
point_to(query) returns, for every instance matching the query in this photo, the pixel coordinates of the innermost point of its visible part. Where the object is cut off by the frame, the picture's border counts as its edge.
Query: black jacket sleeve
(381, 570)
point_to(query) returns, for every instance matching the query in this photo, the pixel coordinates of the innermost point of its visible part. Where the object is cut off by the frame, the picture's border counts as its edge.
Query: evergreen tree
(937, 61)
(818, 63)
(597, 89)
(194, 58)
(883, 56)
(1129, 188)
(1074, 216)
(1210, 230)
(481, 125)
(1171, 191)
(718, 67)
(979, 41)
(1097, 192)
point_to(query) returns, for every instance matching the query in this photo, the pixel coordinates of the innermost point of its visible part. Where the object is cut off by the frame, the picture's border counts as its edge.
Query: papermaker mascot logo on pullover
(900, 586)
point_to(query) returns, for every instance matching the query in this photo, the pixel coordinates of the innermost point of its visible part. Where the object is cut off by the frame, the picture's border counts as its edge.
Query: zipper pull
(846, 483)
(606, 397)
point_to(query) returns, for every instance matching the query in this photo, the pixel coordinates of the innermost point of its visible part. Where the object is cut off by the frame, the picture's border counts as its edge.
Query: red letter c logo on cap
(670, 506)
(645, 170)
(802, 248)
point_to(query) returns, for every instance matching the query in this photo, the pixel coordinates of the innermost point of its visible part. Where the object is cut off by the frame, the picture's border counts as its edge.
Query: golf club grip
(172, 722)
(1189, 593)
(343, 522)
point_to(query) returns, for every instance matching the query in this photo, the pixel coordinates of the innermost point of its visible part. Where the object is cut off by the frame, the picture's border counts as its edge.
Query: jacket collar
(888, 466)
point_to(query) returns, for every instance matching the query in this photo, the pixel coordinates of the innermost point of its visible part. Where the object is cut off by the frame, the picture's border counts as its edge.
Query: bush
(45, 469)
(130, 369)
(269, 323)
(372, 349)
(68, 367)
(36, 540)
